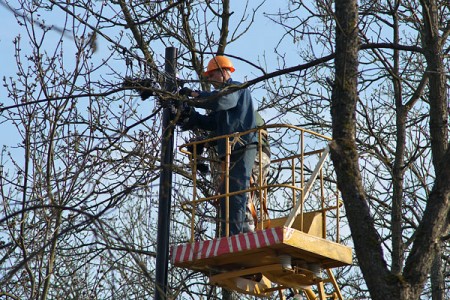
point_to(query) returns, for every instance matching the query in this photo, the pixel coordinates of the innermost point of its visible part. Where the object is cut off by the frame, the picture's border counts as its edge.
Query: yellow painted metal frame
(261, 189)
(308, 229)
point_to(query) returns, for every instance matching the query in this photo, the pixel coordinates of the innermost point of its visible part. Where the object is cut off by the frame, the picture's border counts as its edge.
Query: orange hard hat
(219, 62)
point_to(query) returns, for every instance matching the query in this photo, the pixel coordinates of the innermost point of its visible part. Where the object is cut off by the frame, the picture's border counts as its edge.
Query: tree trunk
(434, 222)
(345, 156)
(437, 276)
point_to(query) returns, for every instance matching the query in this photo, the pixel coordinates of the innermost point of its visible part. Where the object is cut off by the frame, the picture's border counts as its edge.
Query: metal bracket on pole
(295, 210)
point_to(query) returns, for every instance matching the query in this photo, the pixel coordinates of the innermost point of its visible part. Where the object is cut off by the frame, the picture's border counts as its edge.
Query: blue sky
(258, 43)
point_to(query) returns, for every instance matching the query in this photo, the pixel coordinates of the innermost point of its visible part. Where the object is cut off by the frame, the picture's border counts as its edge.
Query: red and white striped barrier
(241, 242)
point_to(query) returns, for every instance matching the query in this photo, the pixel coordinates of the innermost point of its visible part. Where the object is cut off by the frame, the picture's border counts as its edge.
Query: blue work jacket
(230, 113)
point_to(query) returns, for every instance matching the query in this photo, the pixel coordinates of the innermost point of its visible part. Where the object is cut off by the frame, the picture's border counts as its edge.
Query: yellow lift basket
(293, 251)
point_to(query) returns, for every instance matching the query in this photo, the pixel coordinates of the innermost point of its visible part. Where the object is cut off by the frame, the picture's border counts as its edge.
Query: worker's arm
(215, 103)
(224, 102)
(196, 120)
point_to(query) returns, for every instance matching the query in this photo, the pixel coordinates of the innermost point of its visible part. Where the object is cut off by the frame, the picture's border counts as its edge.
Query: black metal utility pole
(165, 182)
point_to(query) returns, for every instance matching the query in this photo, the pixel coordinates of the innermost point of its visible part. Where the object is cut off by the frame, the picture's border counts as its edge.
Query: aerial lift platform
(294, 251)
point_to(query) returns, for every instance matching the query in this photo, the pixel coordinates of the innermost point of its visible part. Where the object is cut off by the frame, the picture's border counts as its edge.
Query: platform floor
(260, 248)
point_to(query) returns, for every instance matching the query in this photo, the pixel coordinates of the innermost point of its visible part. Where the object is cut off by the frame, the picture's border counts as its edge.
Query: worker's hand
(185, 110)
(199, 148)
(184, 117)
(188, 92)
(183, 123)
(202, 167)
(185, 92)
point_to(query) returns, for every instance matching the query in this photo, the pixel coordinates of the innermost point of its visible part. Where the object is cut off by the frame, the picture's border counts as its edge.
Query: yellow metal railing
(288, 144)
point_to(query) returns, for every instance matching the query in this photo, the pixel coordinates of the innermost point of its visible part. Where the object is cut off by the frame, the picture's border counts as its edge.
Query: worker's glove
(185, 110)
(185, 91)
(185, 124)
(199, 146)
(202, 167)
(184, 117)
